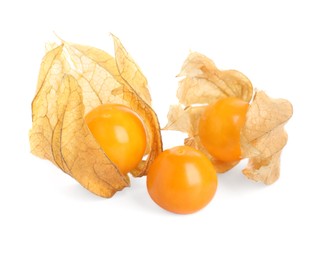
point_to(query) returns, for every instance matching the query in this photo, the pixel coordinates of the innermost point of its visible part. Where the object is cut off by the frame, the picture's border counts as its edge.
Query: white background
(282, 46)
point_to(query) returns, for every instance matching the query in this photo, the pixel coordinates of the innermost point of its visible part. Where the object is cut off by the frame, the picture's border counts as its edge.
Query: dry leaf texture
(203, 84)
(74, 79)
(262, 137)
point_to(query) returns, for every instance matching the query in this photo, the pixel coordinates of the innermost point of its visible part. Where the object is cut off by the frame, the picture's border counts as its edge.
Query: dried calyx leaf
(107, 79)
(204, 84)
(74, 79)
(262, 137)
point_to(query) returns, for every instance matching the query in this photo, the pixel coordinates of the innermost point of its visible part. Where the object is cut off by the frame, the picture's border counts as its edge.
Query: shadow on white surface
(137, 197)
(133, 198)
(234, 182)
(75, 191)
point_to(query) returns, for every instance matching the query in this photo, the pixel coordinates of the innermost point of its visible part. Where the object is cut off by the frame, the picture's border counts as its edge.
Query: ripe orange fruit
(182, 180)
(120, 132)
(220, 126)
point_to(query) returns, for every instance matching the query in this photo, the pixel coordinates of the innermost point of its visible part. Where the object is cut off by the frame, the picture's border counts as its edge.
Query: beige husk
(74, 79)
(263, 136)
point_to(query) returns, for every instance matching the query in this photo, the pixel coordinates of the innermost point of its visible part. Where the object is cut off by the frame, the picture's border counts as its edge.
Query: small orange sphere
(121, 134)
(220, 126)
(182, 180)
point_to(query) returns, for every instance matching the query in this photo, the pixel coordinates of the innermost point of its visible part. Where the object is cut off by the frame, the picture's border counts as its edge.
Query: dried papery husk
(203, 84)
(74, 79)
(263, 136)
